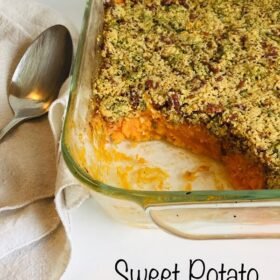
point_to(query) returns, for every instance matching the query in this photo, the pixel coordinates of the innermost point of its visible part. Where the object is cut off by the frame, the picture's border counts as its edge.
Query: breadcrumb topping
(214, 63)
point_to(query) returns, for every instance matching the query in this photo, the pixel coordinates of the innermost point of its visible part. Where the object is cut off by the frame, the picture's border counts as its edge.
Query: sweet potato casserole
(201, 75)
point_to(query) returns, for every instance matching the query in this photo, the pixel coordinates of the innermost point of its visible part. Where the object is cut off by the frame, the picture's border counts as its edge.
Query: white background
(98, 242)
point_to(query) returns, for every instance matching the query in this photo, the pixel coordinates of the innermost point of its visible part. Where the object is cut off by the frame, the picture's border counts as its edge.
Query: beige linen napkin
(33, 243)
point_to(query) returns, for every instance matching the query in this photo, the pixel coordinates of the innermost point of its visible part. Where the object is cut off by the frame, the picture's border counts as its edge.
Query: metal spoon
(39, 75)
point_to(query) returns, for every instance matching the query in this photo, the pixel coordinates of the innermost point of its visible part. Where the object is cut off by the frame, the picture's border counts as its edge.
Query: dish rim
(144, 198)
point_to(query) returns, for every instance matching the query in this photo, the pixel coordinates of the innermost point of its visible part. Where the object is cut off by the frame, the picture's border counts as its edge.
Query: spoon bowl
(39, 75)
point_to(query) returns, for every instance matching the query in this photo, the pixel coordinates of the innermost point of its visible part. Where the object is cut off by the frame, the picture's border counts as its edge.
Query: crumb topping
(212, 62)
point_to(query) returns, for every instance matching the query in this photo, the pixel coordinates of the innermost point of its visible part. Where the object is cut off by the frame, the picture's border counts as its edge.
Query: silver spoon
(39, 75)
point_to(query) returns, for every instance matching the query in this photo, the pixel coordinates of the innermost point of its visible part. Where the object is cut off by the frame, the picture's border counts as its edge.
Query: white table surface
(98, 242)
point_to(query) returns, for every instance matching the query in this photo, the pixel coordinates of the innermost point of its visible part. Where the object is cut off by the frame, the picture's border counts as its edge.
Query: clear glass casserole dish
(198, 214)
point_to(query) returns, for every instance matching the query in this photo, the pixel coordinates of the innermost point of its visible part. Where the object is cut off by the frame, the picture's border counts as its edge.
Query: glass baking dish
(190, 214)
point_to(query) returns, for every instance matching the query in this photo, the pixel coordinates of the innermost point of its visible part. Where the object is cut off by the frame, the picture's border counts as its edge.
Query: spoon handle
(15, 121)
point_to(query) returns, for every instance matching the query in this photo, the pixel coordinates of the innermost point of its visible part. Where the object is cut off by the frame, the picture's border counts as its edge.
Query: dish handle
(234, 220)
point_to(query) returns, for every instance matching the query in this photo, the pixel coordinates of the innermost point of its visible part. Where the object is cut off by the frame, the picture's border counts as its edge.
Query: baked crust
(211, 63)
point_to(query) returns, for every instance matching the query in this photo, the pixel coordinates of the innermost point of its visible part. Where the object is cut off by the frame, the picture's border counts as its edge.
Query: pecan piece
(272, 52)
(213, 69)
(166, 2)
(219, 79)
(197, 83)
(134, 99)
(193, 16)
(243, 41)
(212, 108)
(184, 3)
(240, 85)
(175, 101)
(149, 84)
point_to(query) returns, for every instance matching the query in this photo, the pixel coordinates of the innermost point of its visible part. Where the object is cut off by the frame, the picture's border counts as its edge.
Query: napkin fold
(36, 189)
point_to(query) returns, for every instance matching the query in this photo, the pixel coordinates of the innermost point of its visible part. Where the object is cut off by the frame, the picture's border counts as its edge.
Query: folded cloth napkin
(34, 228)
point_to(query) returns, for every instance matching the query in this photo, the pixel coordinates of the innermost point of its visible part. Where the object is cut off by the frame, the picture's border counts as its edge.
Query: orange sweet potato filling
(243, 172)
